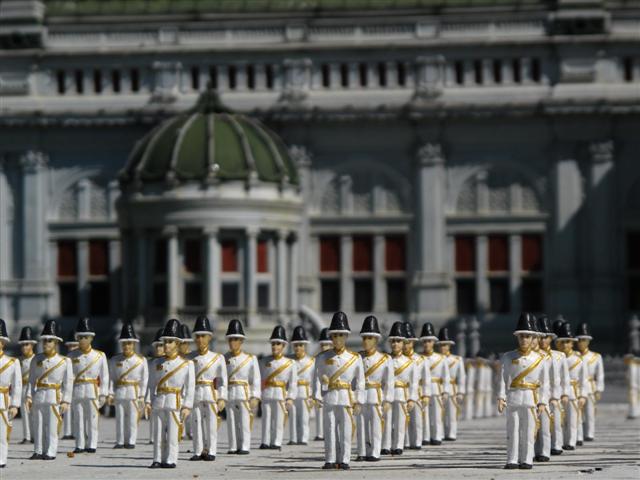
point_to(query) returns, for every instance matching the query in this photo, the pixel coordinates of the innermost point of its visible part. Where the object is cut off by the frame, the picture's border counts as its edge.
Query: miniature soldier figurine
(483, 387)
(303, 403)
(632, 361)
(339, 384)
(184, 350)
(243, 373)
(579, 381)
(595, 375)
(458, 383)
(210, 394)
(470, 399)
(70, 344)
(170, 395)
(440, 386)
(280, 376)
(325, 344)
(406, 375)
(542, 445)
(49, 394)
(27, 346)
(413, 434)
(158, 352)
(378, 395)
(10, 393)
(523, 393)
(128, 376)
(90, 388)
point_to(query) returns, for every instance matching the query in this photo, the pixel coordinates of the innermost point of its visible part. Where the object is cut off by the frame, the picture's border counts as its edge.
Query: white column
(515, 269)
(114, 281)
(293, 274)
(482, 283)
(213, 271)
(281, 274)
(250, 272)
(34, 203)
(82, 253)
(84, 199)
(379, 285)
(173, 266)
(125, 282)
(141, 270)
(4, 241)
(346, 280)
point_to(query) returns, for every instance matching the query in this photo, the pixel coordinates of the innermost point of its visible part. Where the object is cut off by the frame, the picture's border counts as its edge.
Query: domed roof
(210, 143)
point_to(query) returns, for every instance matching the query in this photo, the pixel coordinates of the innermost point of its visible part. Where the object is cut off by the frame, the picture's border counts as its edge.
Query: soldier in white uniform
(170, 395)
(90, 388)
(440, 386)
(523, 393)
(484, 397)
(595, 374)
(184, 350)
(27, 346)
(325, 344)
(470, 399)
(128, 377)
(70, 344)
(542, 445)
(378, 395)
(632, 362)
(458, 382)
(413, 434)
(303, 404)
(406, 376)
(49, 394)
(280, 377)
(579, 385)
(210, 393)
(10, 393)
(339, 384)
(244, 393)
(158, 352)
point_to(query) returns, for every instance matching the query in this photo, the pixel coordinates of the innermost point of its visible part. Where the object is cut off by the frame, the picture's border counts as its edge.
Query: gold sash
(437, 363)
(239, 367)
(7, 365)
(270, 380)
(207, 366)
(47, 372)
(306, 367)
(517, 382)
(342, 369)
(375, 366)
(403, 367)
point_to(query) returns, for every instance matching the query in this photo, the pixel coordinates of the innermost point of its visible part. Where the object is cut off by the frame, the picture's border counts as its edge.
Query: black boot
(511, 466)
(556, 452)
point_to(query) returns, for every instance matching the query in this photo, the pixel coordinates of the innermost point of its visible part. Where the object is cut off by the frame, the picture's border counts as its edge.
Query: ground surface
(479, 453)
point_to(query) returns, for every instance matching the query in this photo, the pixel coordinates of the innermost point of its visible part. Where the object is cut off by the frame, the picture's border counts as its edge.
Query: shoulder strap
(7, 365)
(47, 372)
(374, 367)
(278, 371)
(207, 366)
(239, 367)
(518, 379)
(131, 369)
(170, 374)
(306, 367)
(343, 368)
(91, 364)
(403, 367)
(433, 366)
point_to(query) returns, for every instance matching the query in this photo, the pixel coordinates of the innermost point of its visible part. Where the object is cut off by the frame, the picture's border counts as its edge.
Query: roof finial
(210, 102)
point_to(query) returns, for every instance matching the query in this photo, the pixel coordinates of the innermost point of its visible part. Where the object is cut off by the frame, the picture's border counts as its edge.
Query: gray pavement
(479, 453)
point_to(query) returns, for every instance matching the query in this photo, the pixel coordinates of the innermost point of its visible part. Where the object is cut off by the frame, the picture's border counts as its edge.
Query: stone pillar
(474, 336)
(482, 282)
(461, 337)
(379, 284)
(34, 201)
(431, 280)
(281, 275)
(250, 275)
(634, 333)
(126, 272)
(173, 268)
(4, 214)
(515, 270)
(142, 271)
(293, 274)
(212, 272)
(346, 280)
(84, 199)
(113, 190)
(115, 265)
(82, 252)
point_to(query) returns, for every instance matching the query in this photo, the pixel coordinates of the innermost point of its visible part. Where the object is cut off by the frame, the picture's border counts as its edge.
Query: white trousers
(397, 424)
(319, 423)
(543, 438)
(589, 417)
(339, 427)
(436, 417)
(470, 400)
(521, 427)
(299, 420)
(67, 423)
(426, 423)
(47, 424)
(127, 418)
(556, 428)
(413, 434)
(204, 428)
(152, 426)
(370, 430)
(572, 416)
(451, 417)
(166, 435)
(483, 405)
(239, 423)
(27, 419)
(85, 422)
(274, 416)
(5, 426)
(634, 403)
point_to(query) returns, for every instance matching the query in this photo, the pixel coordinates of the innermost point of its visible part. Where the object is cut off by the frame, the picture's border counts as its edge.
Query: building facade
(426, 160)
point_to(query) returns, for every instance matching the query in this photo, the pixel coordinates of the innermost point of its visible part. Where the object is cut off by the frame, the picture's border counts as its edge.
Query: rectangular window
(401, 69)
(532, 297)
(263, 296)
(627, 65)
(229, 252)
(532, 253)
(61, 81)
(517, 72)
(269, 76)
(344, 75)
(466, 296)
(362, 253)
(160, 257)
(213, 76)
(230, 295)
(135, 80)
(97, 81)
(536, 71)
(395, 253)
(99, 298)
(232, 73)
(193, 255)
(465, 246)
(458, 68)
(195, 78)
(262, 247)
(116, 83)
(497, 70)
(67, 258)
(68, 299)
(329, 254)
(499, 295)
(326, 75)
(477, 72)
(396, 295)
(98, 257)
(382, 74)
(363, 295)
(251, 77)
(193, 294)
(160, 294)
(498, 253)
(79, 81)
(330, 293)
(363, 74)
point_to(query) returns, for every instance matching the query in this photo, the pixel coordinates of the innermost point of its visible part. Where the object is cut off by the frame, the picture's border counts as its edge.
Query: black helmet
(235, 330)
(443, 336)
(428, 332)
(370, 327)
(128, 334)
(299, 335)
(202, 326)
(171, 330)
(84, 328)
(398, 331)
(26, 336)
(339, 323)
(278, 335)
(526, 324)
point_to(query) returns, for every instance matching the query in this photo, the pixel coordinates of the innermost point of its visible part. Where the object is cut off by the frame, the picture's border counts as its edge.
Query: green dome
(210, 144)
